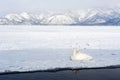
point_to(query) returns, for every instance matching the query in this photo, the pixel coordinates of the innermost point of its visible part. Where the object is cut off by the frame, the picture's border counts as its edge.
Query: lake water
(89, 74)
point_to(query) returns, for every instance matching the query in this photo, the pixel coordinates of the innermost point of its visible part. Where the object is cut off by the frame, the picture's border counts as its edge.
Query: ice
(44, 59)
(28, 48)
(32, 37)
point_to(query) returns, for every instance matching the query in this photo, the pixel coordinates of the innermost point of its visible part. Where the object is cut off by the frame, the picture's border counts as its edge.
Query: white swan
(78, 56)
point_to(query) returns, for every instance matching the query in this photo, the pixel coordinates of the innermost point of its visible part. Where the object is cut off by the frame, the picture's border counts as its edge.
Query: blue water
(92, 74)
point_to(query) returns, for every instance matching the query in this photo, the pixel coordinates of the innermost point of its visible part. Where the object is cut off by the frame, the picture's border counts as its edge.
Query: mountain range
(80, 17)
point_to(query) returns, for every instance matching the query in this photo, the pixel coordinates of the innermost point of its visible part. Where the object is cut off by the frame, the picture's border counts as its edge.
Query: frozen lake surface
(29, 48)
(46, 59)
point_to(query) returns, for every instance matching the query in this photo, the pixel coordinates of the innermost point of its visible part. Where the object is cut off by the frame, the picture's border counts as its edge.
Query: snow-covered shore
(28, 48)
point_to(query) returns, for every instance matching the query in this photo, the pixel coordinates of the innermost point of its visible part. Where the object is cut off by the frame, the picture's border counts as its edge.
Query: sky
(18, 6)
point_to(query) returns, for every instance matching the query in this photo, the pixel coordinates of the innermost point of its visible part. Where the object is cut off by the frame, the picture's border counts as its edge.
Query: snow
(28, 48)
(60, 19)
(25, 15)
(13, 17)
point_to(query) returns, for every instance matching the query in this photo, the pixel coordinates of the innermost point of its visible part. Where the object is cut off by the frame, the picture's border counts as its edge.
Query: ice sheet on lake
(26, 48)
(43, 59)
(35, 37)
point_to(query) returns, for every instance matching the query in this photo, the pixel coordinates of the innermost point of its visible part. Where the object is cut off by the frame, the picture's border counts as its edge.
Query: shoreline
(58, 70)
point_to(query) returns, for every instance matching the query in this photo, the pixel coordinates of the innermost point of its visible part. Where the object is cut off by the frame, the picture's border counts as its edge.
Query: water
(92, 74)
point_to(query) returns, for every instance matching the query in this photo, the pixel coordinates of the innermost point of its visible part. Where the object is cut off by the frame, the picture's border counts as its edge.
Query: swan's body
(78, 56)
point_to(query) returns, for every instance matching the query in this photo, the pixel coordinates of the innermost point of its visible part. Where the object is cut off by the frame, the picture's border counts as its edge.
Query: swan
(78, 56)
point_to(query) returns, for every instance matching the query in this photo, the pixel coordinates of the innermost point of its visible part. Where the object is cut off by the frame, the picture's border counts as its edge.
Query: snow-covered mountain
(82, 17)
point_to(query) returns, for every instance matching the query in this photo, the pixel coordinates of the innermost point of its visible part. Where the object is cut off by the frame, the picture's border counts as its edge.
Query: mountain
(82, 17)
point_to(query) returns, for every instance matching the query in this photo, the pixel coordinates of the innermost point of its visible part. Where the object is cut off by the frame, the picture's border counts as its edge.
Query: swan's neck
(76, 51)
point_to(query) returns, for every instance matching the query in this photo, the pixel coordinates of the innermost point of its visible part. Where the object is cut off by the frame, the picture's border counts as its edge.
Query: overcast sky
(10, 6)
